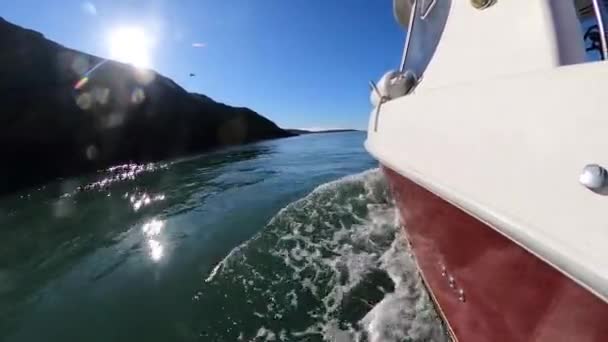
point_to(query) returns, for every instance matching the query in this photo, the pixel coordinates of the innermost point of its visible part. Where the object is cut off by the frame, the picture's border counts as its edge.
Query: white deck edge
(508, 228)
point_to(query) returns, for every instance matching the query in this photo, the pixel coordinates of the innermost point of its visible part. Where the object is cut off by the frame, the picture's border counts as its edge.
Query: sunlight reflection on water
(153, 229)
(115, 174)
(156, 250)
(143, 200)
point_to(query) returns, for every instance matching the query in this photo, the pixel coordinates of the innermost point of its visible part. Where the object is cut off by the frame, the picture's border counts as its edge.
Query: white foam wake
(332, 266)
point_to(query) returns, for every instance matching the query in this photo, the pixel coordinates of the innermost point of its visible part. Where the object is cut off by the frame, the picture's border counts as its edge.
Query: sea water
(286, 240)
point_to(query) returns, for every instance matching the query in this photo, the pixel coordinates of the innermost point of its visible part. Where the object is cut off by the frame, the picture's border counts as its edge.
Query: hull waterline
(486, 287)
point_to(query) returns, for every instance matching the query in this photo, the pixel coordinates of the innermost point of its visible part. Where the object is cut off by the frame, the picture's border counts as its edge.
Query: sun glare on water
(130, 45)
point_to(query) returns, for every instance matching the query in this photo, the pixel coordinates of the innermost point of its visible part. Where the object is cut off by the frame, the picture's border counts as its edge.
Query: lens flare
(81, 83)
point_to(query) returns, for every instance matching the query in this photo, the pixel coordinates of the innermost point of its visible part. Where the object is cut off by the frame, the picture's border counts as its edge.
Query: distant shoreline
(304, 131)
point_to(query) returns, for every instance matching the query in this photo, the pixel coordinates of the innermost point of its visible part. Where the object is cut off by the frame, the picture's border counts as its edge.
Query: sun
(131, 45)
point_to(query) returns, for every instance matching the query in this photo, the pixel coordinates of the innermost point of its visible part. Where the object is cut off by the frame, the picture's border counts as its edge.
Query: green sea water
(286, 240)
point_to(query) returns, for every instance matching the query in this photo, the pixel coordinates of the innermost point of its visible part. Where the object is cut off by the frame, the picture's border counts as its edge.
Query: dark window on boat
(428, 27)
(591, 27)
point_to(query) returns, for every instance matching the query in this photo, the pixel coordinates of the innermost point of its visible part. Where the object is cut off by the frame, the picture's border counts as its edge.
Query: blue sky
(302, 63)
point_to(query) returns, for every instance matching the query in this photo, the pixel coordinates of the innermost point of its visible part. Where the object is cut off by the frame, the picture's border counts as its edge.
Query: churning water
(287, 240)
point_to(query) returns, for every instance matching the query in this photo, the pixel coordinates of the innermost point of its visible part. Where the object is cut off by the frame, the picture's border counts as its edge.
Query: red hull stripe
(487, 287)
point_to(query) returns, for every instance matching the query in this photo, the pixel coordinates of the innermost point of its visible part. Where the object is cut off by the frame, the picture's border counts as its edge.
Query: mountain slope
(50, 128)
